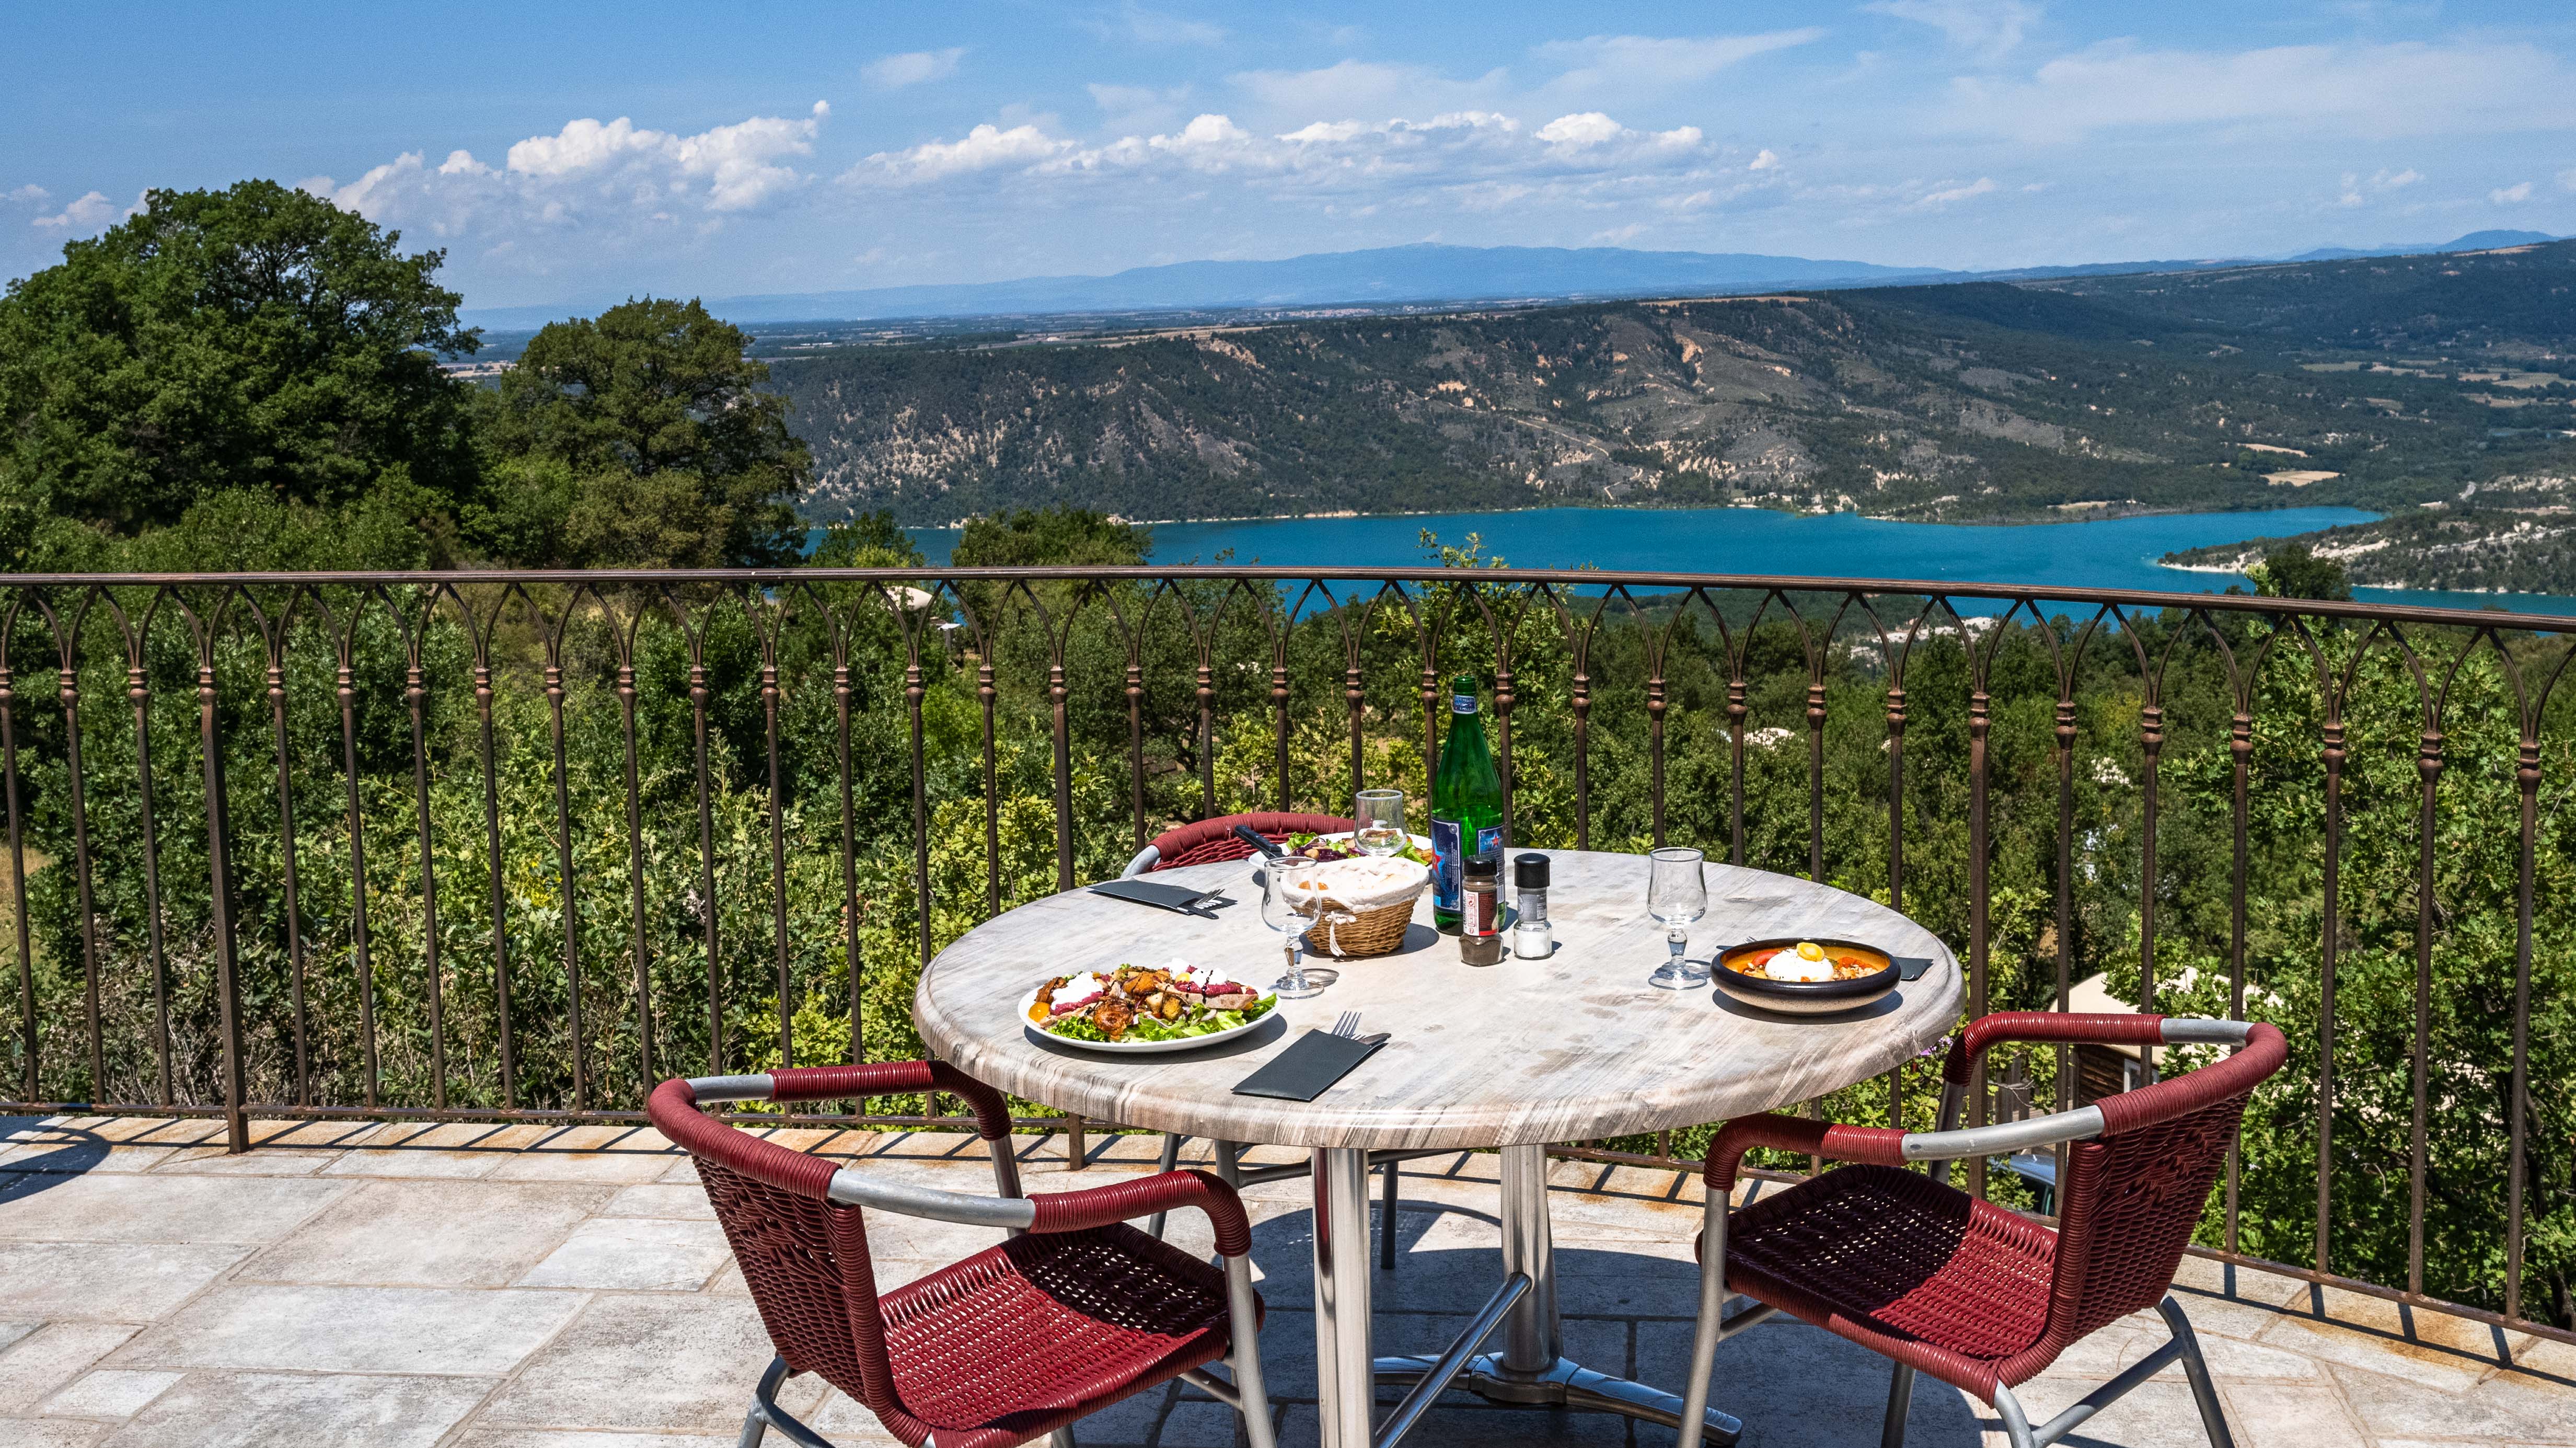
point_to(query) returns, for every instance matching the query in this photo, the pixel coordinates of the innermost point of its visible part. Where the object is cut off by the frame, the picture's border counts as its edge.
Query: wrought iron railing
(448, 846)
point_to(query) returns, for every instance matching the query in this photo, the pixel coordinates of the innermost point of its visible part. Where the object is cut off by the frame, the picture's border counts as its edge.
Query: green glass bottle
(1466, 803)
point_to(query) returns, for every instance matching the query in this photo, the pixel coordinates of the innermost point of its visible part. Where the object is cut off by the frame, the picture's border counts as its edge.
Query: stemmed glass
(1676, 895)
(1283, 910)
(1379, 829)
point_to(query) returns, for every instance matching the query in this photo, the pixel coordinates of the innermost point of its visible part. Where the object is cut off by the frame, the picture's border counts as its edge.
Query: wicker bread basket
(1373, 924)
(1348, 935)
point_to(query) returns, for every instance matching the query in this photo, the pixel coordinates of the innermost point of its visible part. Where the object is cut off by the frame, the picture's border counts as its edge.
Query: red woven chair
(1978, 1296)
(1211, 841)
(1074, 1312)
(1208, 842)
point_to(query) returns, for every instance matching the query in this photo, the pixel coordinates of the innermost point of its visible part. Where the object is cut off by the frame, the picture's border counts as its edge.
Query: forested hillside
(2378, 382)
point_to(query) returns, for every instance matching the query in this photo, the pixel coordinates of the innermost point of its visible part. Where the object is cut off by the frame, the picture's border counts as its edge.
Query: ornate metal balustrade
(448, 846)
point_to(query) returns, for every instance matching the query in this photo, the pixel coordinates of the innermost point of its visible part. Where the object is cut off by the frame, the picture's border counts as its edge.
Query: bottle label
(1478, 916)
(1449, 864)
(1462, 703)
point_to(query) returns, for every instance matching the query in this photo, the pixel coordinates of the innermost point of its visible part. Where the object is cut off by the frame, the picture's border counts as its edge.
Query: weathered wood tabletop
(1571, 1048)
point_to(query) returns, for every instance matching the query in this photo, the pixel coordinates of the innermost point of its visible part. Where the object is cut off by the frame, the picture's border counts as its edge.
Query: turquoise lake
(2102, 553)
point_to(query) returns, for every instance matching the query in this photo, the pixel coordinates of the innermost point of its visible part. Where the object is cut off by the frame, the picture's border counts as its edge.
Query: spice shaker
(1532, 939)
(1480, 912)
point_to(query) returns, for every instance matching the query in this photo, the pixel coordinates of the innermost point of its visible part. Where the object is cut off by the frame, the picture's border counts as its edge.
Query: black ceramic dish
(1805, 998)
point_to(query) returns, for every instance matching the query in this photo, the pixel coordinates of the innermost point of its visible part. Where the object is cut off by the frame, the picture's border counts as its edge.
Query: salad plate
(1143, 1010)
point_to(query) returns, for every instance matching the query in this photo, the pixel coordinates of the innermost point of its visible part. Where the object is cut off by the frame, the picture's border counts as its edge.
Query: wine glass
(1676, 895)
(1287, 909)
(1379, 829)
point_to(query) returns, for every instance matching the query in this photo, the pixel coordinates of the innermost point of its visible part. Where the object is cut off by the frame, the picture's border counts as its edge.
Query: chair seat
(1907, 1267)
(1030, 1335)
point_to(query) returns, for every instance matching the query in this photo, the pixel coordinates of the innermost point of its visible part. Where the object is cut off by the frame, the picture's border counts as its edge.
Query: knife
(1261, 842)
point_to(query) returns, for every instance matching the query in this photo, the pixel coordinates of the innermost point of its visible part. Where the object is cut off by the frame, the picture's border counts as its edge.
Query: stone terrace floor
(528, 1287)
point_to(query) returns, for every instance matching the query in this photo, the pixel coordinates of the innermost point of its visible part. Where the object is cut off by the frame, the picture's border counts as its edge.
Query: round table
(1516, 1056)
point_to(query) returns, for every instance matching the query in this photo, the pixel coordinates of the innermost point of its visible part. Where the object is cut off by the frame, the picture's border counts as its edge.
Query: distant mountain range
(1397, 275)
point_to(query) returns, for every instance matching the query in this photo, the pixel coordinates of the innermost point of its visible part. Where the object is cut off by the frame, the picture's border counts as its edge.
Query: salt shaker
(1480, 912)
(1532, 939)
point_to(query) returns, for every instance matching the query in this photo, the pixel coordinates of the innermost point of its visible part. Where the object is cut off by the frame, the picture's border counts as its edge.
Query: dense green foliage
(2478, 550)
(250, 379)
(642, 438)
(244, 352)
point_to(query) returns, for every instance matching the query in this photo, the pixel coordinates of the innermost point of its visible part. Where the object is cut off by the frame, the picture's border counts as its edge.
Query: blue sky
(568, 153)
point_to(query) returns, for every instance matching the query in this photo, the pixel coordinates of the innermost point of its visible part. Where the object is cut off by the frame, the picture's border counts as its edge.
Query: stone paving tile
(218, 1160)
(1795, 1384)
(660, 1199)
(48, 1432)
(2152, 1415)
(221, 1410)
(2503, 1406)
(354, 1330)
(10, 1332)
(636, 1254)
(575, 1439)
(590, 1154)
(77, 1157)
(109, 1393)
(430, 1234)
(46, 1361)
(442, 1149)
(2433, 1367)
(552, 1438)
(164, 1209)
(648, 1362)
(2278, 1415)
(120, 1282)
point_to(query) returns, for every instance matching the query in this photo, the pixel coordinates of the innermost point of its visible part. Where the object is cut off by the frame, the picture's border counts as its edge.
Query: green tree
(1053, 536)
(255, 341)
(2291, 571)
(641, 438)
(870, 540)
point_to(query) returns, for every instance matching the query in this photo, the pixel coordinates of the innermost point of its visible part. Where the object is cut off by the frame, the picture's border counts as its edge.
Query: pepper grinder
(1480, 912)
(1532, 939)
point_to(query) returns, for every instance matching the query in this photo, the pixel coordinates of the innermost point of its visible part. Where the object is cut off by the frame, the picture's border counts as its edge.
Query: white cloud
(606, 179)
(1625, 63)
(1987, 27)
(2508, 195)
(1765, 161)
(86, 215)
(1950, 195)
(2567, 179)
(980, 149)
(27, 195)
(912, 67)
(2398, 89)
(2353, 190)
(1590, 128)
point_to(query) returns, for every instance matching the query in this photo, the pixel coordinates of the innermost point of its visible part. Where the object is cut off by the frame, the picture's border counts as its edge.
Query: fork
(1348, 1024)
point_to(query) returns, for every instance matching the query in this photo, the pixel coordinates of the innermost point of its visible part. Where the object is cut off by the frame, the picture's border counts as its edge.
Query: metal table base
(1532, 1367)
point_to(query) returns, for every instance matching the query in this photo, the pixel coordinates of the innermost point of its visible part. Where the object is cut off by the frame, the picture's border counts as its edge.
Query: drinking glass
(1379, 829)
(1282, 910)
(1676, 895)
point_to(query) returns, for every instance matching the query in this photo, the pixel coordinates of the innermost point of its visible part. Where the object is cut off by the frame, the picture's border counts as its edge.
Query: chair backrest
(804, 1256)
(1205, 842)
(2132, 1195)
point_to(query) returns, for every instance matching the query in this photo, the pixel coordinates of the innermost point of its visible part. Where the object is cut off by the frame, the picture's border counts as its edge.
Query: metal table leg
(1532, 1367)
(1344, 1390)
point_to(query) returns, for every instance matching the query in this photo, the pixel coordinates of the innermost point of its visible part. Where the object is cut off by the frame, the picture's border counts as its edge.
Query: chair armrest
(2003, 1138)
(2055, 1026)
(1873, 1144)
(883, 1078)
(1144, 1196)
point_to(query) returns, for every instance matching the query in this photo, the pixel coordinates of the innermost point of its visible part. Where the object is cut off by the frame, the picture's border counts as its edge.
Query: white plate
(1141, 1048)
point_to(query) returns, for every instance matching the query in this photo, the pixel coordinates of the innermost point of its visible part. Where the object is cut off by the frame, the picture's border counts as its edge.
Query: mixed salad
(1146, 1003)
(1339, 847)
